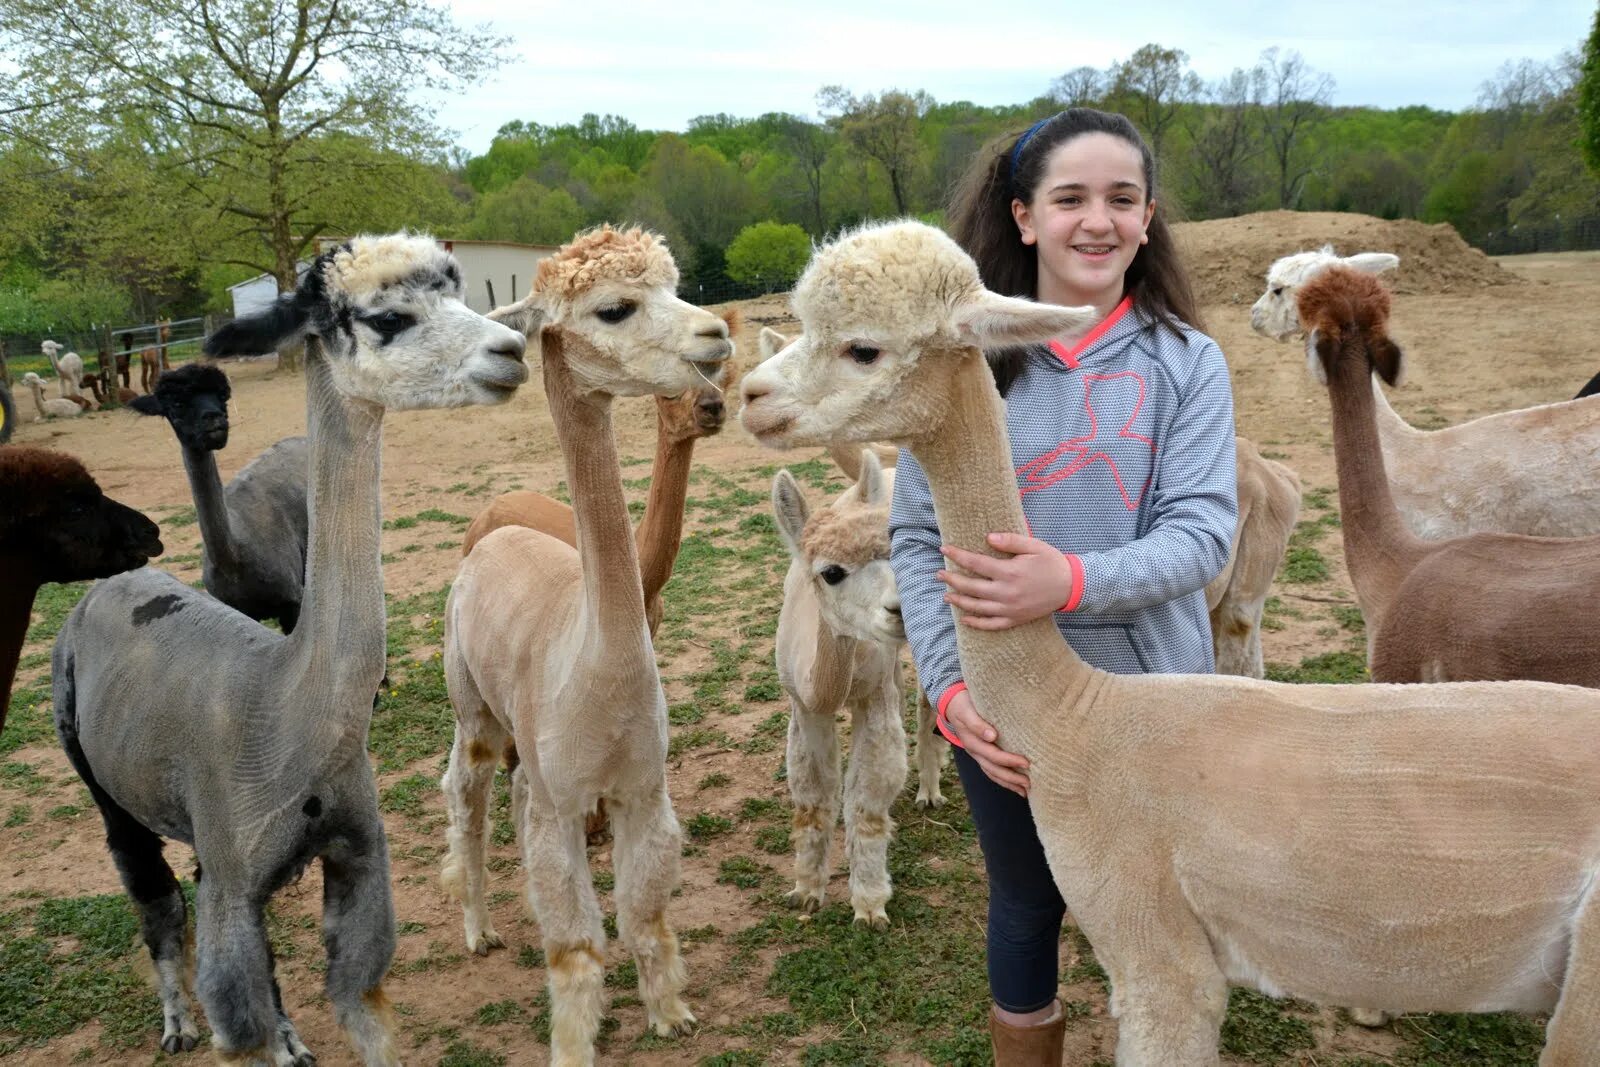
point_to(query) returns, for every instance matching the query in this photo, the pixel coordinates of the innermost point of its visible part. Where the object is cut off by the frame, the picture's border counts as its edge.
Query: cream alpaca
(1346, 844)
(546, 647)
(838, 648)
(68, 368)
(56, 407)
(1269, 504)
(1534, 471)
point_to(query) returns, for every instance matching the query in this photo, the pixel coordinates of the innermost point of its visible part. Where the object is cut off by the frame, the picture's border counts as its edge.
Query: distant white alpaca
(69, 368)
(838, 649)
(1534, 471)
(55, 407)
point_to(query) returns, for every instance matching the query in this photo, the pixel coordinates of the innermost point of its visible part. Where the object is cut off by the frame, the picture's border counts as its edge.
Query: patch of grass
(773, 840)
(1349, 617)
(743, 872)
(769, 734)
(761, 808)
(405, 796)
(1322, 499)
(28, 721)
(22, 776)
(764, 685)
(435, 515)
(464, 1053)
(501, 1011)
(182, 517)
(693, 739)
(1501, 1040)
(1263, 1030)
(530, 957)
(714, 781)
(1302, 566)
(53, 603)
(184, 559)
(703, 826)
(413, 717)
(17, 816)
(1336, 668)
(685, 714)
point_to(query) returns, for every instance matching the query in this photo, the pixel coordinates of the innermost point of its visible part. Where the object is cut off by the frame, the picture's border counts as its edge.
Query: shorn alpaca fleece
(1124, 455)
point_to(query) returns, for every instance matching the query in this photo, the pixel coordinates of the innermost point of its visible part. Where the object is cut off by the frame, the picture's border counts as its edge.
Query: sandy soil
(1523, 336)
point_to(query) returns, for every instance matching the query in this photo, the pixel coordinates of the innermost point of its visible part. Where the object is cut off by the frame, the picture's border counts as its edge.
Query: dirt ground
(1503, 334)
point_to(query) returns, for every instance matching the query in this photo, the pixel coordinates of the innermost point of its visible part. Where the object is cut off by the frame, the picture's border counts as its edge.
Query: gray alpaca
(255, 530)
(187, 720)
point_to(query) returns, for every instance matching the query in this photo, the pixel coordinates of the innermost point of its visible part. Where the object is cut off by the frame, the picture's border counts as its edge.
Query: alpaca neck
(613, 597)
(338, 643)
(833, 667)
(1379, 549)
(38, 396)
(210, 504)
(55, 365)
(660, 531)
(1021, 679)
(16, 605)
(1392, 429)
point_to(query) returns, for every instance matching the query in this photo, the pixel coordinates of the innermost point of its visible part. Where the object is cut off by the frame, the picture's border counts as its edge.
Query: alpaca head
(1345, 314)
(701, 412)
(393, 328)
(49, 348)
(613, 295)
(889, 314)
(844, 551)
(194, 398)
(55, 518)
(1275, 315)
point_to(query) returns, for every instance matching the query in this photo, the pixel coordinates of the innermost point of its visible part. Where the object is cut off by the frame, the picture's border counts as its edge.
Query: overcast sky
(660, 64)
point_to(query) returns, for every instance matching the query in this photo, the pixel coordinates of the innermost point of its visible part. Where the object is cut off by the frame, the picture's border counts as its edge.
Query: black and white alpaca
(190, 721)
(255, 530)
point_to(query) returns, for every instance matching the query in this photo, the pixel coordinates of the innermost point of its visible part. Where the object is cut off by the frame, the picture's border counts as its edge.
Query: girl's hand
(1001, 593)
(977, 737)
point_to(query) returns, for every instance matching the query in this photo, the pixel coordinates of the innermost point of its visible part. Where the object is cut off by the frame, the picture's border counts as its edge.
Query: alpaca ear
(1387, 359)
(283, 323)
(1372, 262)
(874, 492)
(770, 343)
(789, 508)
(990, 320)
(146, 404)
(524, 316)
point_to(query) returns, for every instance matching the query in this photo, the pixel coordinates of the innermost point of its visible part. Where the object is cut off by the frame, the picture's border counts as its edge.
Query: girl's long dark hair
(1011, 168)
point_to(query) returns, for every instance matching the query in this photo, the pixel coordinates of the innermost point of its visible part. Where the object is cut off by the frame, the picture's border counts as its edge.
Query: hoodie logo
(1110, 400)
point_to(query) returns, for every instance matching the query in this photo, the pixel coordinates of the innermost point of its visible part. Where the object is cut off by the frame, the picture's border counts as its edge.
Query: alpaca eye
(616, 312)
(865, 355)
(1278, 291)
(833, 574)
(389, 322)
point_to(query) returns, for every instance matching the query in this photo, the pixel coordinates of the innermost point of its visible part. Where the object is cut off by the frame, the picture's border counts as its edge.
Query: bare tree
(882, 128)
(1296, 97)
(1080, 87)
(1153, 85)
(809, 144)
(1227, 141)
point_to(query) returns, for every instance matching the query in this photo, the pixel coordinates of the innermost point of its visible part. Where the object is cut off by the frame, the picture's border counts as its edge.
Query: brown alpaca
(680, 422)
(1486, 606)
(56, 526)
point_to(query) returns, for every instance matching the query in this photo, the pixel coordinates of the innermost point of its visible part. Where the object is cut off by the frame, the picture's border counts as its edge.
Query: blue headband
(1016, 153)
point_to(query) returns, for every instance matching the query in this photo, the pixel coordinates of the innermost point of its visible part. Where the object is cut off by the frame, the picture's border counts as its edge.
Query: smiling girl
(1123, 440)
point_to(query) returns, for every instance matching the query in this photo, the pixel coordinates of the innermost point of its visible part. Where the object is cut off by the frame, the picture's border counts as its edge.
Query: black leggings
(1025, 909)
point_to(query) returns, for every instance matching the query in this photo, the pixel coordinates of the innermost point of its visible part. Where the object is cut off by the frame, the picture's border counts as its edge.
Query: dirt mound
(1228, 258)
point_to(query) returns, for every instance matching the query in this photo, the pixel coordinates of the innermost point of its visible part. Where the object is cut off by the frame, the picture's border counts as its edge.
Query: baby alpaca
(838, 648)
(57, 407)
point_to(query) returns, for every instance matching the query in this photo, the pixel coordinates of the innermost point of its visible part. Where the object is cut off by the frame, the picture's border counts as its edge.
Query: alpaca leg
(163, 920)
(234, 973)
(931, 753)
(813, 763)
(877, 774)
(1573, 1034)
(287, 1048)
(645, 855)
(561, 894)
(358, 932)
(468, 786)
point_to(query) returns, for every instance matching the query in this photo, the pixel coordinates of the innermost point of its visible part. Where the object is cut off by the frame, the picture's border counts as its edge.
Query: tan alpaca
(838, 649)
(932, 751)
(1535, 471)
(680, 422)
(1482, 607)
(1411, 847)
(547, 649)
(1269, 504)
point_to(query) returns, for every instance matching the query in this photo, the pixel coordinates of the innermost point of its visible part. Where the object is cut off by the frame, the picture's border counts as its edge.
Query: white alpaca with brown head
(547, 648)
(1211, 830)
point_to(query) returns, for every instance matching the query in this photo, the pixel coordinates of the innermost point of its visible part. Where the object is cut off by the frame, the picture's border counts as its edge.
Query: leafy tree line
(227, 150)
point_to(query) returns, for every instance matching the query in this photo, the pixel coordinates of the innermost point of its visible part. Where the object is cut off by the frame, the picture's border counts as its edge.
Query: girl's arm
(914, 554)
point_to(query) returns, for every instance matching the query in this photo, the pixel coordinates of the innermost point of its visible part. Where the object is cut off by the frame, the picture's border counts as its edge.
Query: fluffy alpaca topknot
(193, 379)
(851, 537)
(30, 474)
(366, 264)
(922, 265)
(635, 256)
(1340, 297)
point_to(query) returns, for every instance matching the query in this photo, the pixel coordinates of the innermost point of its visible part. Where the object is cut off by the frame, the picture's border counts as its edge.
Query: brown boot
(1036, 1045)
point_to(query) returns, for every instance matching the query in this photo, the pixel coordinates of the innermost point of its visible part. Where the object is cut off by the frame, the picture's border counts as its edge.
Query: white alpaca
(55, 407)
(548, 655)
(69, 368)
(1534, 471)
(1410, 847)
(838, 649)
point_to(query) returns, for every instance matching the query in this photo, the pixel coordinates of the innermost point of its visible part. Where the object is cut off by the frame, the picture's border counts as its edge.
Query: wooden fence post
(490, 286)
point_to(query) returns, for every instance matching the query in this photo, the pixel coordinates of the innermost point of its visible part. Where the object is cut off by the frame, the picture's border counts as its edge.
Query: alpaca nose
(753, 389)
(513, 346)
(715, 328)
(711, 406)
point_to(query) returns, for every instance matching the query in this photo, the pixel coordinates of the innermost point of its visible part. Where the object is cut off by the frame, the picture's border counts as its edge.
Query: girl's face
(1089, 214)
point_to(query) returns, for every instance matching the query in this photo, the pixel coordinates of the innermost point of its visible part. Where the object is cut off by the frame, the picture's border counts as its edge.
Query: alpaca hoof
(487, 940)
(926, 800)
(876, 919)
(808, 902)
(677, 1022)
(179, 1043)
(1368, 1017)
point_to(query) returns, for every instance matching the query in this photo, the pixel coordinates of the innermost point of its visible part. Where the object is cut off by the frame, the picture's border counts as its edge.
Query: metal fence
(99, 346)
(1558, 235)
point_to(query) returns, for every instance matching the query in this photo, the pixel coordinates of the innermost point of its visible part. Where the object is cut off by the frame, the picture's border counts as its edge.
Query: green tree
(528, 212)
(1589, 99)
(242, 96)
(768, 254)
(1152, 86)
(882, 129)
